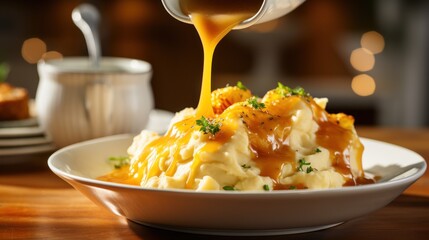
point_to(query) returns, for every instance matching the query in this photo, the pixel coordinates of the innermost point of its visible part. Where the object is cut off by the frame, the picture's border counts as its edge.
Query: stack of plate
(22, 140)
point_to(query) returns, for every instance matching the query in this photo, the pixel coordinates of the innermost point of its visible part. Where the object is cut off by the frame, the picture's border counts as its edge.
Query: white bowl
(236, 213)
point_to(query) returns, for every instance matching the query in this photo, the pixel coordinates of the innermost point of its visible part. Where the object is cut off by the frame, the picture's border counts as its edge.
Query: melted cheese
(255, 147)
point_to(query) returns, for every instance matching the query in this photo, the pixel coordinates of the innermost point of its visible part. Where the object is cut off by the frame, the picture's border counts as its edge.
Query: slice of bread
(13, 103)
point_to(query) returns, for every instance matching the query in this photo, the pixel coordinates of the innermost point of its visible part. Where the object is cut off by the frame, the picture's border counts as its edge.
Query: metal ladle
(86, 17)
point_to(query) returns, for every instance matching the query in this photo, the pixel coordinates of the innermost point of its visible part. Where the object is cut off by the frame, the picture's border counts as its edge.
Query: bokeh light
(362, 60)
(363, 85)
(373, 41)
(52, 55)
(33, 49)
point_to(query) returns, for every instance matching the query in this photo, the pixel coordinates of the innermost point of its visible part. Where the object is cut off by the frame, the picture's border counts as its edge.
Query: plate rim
(26, 150)
(239, 232)
(28, 122)
(23, 141)
(13, 132)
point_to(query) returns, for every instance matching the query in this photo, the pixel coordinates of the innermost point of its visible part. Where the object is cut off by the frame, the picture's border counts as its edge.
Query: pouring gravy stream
(213, 20)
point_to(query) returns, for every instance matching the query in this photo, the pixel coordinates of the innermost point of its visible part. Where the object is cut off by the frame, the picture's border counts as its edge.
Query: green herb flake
(299, 91)
(208, 126)
(4, 71)
(317, 150)
(309, 169)
(228, 188)
(266, 187)
(241, 86)
(287, 91)
(253, 101)
(245, 166)
(292, 187)
(302, 163)
(119, 162)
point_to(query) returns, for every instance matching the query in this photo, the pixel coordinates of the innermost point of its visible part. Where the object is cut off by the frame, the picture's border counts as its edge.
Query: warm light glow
(33, 49)
(132, 11)
(373, 41)
(52, 55)
(363, 85)
(362, 59)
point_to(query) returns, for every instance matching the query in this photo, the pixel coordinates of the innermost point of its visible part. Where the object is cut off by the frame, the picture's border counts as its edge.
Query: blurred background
(369, 57)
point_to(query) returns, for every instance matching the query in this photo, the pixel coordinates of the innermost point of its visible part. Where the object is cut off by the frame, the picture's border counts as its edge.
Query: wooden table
(35, 204)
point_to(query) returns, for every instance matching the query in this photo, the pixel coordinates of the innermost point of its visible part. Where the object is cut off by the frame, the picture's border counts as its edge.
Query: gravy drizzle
(268, 129)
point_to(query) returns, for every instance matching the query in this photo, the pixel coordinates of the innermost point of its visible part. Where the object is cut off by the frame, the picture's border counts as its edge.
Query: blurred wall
(310, 47)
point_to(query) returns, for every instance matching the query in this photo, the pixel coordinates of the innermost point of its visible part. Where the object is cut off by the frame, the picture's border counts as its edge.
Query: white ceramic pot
(76, 101)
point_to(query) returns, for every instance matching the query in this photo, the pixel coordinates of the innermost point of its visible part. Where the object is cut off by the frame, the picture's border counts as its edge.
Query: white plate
(10, 156)
(236, 213)
(26, 150)
(20, 132)
(30, 122)
(19, 142)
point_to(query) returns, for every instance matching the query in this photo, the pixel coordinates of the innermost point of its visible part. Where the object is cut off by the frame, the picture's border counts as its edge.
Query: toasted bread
(13, 103)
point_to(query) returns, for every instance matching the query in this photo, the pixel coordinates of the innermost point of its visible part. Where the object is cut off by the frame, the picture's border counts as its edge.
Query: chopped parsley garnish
(303, 163)
(287, 91)
(208, 126)
(119, 162)
(292, 187)
(317, 150)
(245, 166)
(228, 188)
(241, 86)
(266, 187)
(253, 101)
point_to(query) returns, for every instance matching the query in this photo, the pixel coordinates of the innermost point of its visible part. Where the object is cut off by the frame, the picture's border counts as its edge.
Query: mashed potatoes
(236, 141)
(285, 140)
